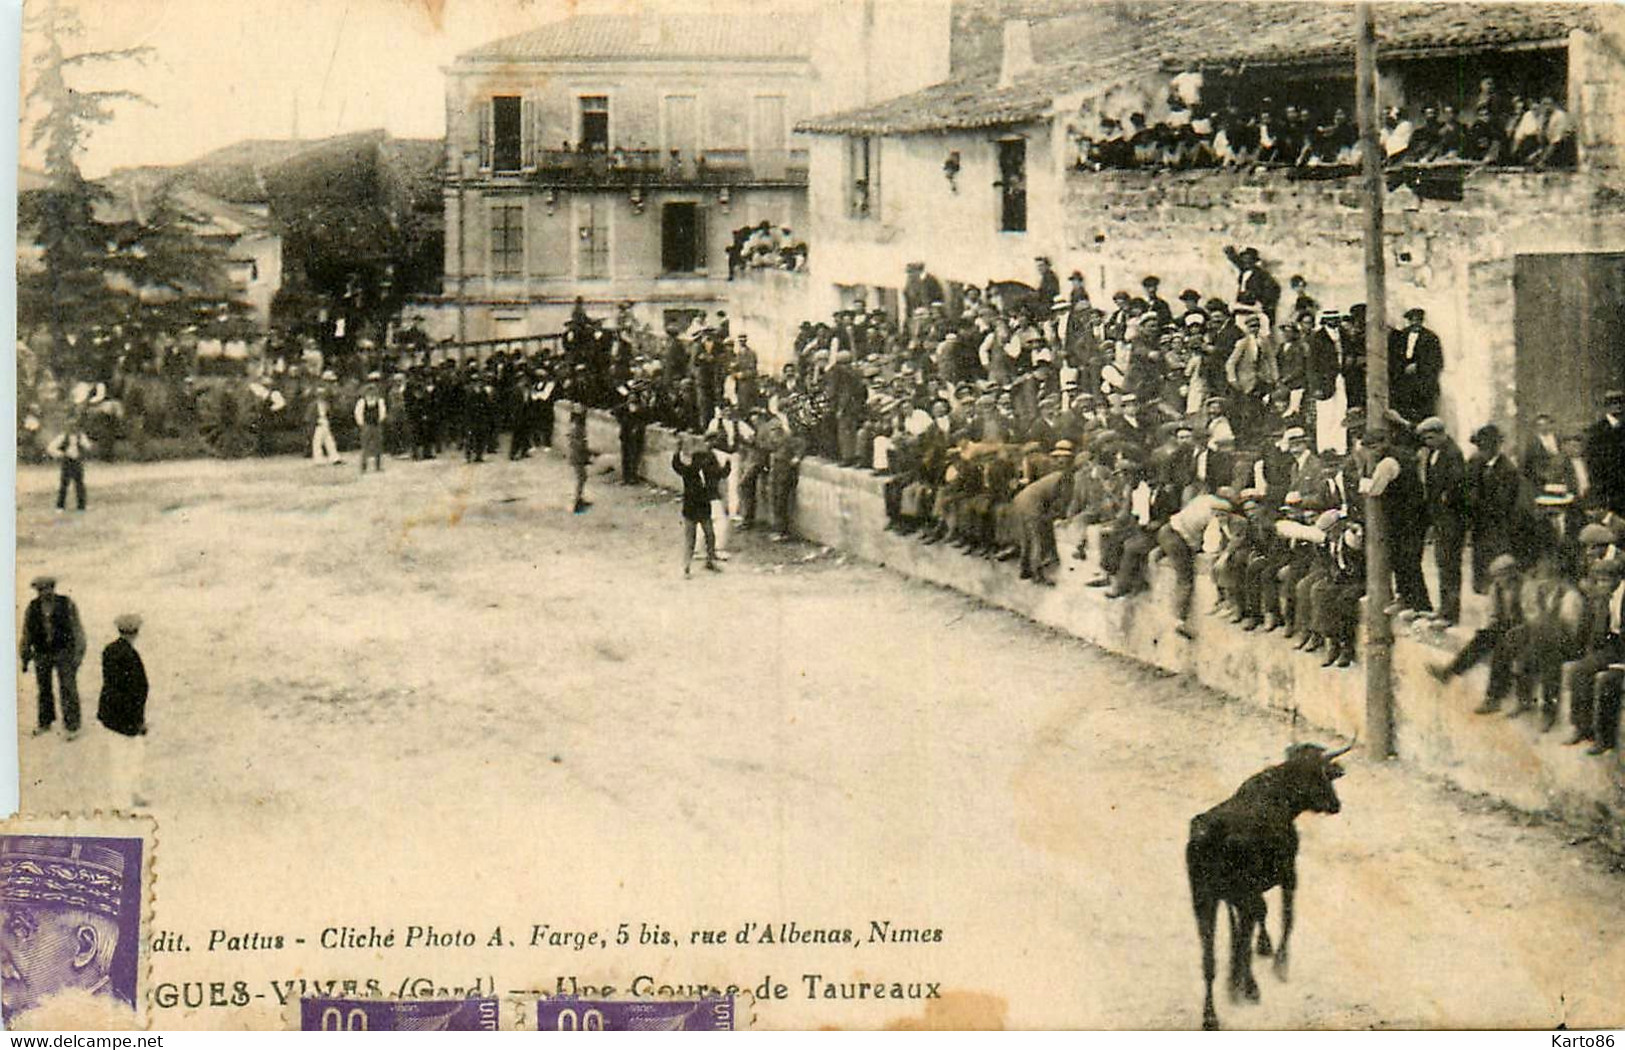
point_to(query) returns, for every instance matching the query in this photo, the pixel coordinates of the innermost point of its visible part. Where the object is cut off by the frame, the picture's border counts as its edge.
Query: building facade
(611, 158)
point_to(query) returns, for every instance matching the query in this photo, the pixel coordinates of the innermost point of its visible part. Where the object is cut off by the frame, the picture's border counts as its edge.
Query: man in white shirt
(69, 448)
(1180, 540)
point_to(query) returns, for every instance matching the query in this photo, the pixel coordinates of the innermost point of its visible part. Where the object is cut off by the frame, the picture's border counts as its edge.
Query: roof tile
(1116, 43)
(740, 37)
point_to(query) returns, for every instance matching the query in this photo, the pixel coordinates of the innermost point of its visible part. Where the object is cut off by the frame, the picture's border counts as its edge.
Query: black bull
(1246, 845)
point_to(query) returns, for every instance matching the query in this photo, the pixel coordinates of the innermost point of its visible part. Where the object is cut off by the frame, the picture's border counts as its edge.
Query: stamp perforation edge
(105, 823)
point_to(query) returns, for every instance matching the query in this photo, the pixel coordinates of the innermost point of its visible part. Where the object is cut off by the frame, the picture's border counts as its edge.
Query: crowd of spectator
(1495, 128)
(765, 246)
(1227, 424)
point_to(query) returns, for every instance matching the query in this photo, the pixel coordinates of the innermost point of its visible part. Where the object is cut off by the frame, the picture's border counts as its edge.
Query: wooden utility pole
(1379, 650)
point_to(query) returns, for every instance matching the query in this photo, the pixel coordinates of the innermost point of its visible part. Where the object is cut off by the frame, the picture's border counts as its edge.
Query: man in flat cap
(1493, 490)
(1415, 359)
(1443, 472)
(122, 708)
(62, 916)
(54, 642)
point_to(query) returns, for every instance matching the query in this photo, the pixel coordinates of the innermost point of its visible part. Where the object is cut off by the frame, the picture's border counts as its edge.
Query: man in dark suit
(1049, 282)
(1605, 453)
(1354, 355)
(54, 642)
(1415, 359)
(1253, 282)
(122, 708)
(1156, 303)
(1493, 489)
(1444, 494)
(1542, 461)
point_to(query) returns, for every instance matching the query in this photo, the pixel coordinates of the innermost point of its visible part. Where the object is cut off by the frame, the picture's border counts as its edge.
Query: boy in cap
(695, 464)
(54, 641)
(370, 413)
(122, 708)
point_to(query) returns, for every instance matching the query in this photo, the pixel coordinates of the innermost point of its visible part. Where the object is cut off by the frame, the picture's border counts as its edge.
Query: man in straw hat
(122, 708)
(54, 642)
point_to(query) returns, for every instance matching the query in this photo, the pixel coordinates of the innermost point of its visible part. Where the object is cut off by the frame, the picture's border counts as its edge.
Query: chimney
(1018, 51)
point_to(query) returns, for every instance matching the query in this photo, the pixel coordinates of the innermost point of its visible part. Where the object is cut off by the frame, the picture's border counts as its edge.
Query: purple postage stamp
(317, 1014)
(70, 926)
(710, 1014)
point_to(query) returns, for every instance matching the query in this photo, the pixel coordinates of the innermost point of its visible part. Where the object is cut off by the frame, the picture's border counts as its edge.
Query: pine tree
(71, 292)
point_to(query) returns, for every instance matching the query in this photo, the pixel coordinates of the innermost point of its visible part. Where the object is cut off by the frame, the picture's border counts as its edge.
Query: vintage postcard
(866, 514)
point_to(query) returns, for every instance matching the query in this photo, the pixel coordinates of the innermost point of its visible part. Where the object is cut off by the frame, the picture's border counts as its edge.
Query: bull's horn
(1340, 752)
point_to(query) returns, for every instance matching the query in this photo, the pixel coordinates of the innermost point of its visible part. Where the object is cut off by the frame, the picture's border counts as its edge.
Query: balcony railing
(645, 167)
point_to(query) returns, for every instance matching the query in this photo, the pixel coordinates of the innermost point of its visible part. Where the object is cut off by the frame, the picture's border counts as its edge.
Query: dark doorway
(595, 123)
(506, 131)
(682, 238)
(1013, 185)
(1570, 331)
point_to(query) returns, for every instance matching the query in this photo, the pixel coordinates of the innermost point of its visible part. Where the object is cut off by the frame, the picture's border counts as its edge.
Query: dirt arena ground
(435, 697)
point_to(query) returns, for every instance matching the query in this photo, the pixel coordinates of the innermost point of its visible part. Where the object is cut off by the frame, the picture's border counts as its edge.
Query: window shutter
(872, 147)
(529, 137)
(484, 117)
(702, 235)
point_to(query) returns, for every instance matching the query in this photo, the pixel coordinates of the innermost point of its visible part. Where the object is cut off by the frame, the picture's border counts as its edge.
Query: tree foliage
(102, 283)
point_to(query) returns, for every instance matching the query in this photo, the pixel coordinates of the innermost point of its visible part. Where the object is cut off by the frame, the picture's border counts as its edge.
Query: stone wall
(769, 306)
(1435, 730)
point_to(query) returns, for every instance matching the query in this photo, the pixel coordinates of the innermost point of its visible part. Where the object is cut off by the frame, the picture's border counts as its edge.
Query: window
(507, 133)
(863, 177)
(682, 238)
(1012, 185)
(507, 240)
(595, 122)
(592, 241)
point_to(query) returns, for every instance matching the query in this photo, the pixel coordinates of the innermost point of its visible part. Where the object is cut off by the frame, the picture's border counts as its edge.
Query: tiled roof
(741, 37)
(1313, 32)
(1122, 42)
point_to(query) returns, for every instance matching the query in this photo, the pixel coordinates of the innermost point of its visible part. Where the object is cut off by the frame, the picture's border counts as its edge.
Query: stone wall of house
(1453, 258)
(769, 306)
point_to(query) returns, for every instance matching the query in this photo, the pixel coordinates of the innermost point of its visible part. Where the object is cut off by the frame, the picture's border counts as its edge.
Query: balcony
(650, 168)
